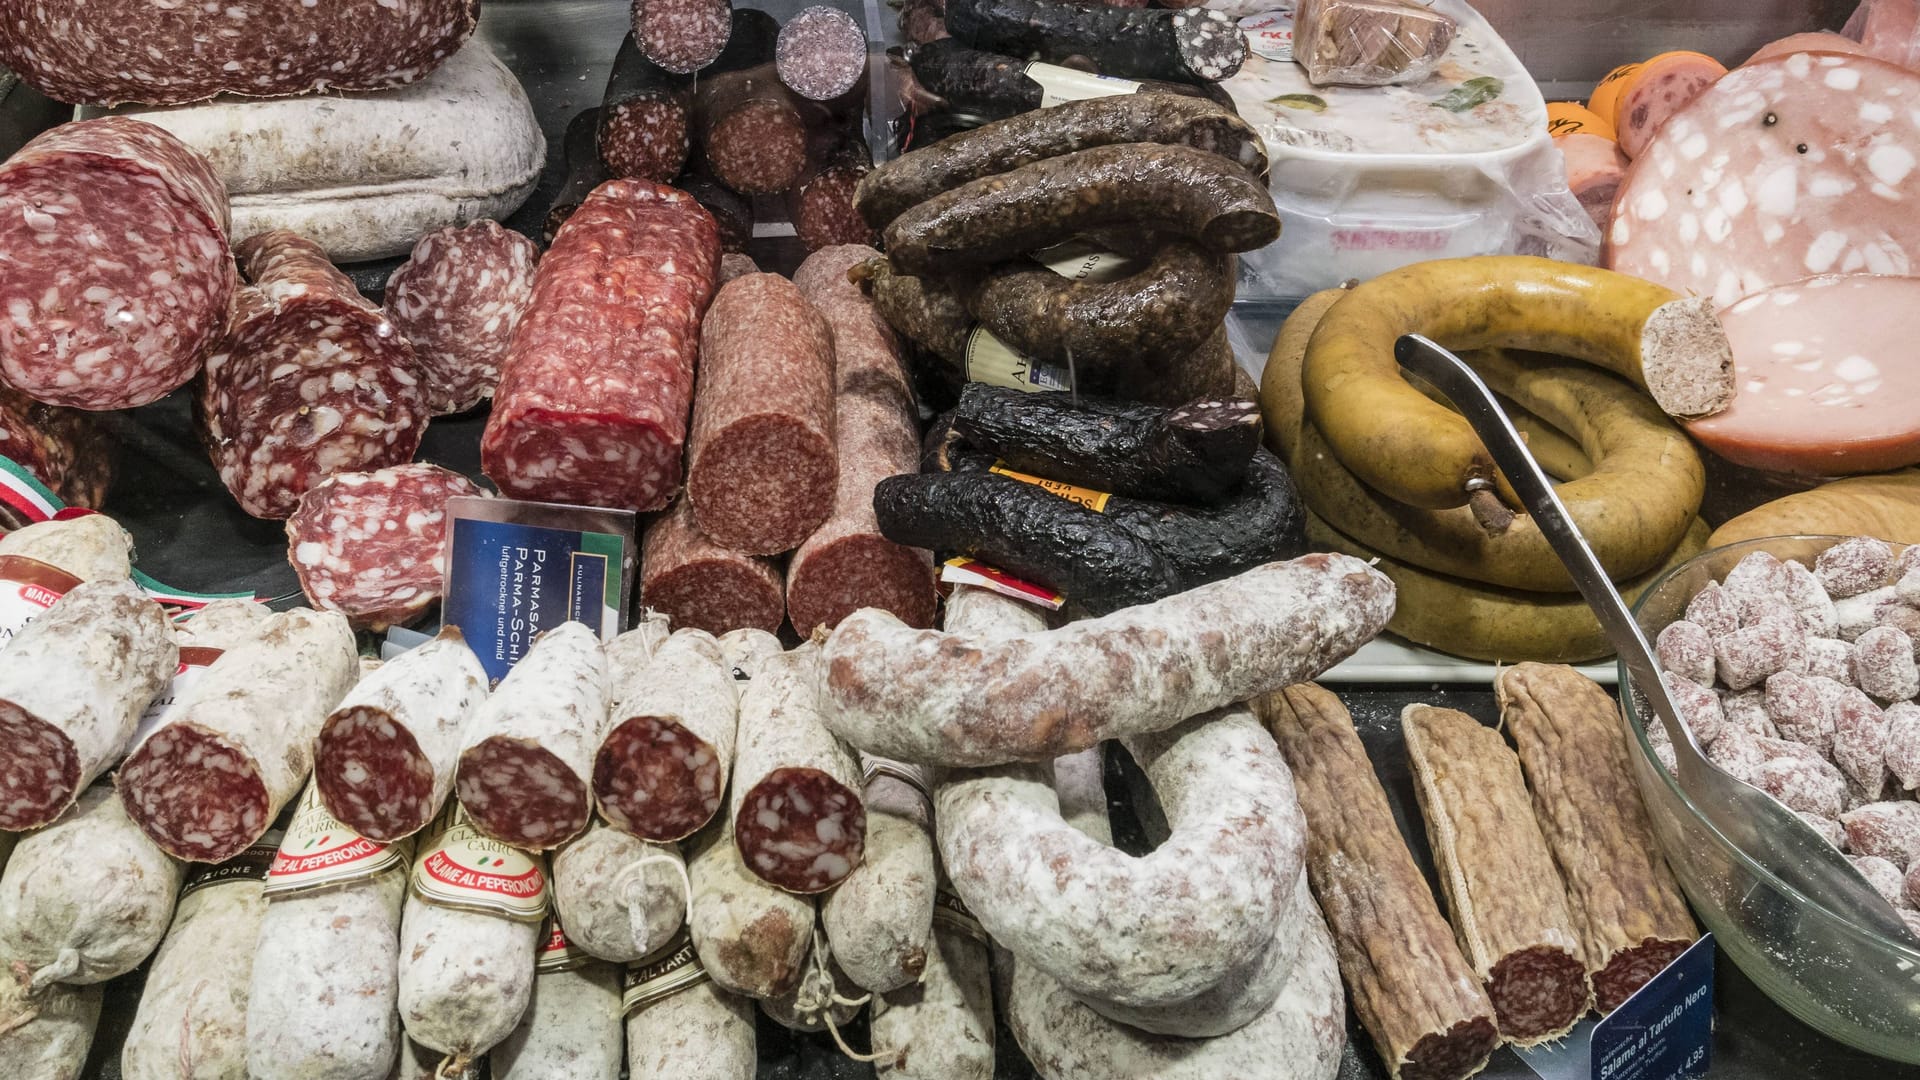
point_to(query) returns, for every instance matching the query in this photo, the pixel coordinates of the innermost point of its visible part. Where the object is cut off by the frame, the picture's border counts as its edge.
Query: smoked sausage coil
(752, 938)
(620, 897)
(73, 685)
(457, 298)
(878, 919)
(680, 1023)
(88, 548)
(53, 1045)
(385, 757)
(701, 584)
(85, 899)
(525, 774)
(660, 772)
(1139, 670)
(572, 1029)
(238, 744)
(118, 280)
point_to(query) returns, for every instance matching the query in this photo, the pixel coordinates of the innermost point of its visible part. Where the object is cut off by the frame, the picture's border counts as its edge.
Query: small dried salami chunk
(372, 546)
(682, 35)
(457, 299)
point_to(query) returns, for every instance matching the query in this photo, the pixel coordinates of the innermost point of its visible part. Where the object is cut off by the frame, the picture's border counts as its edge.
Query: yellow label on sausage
(1606, 95)
(992, 361)
(1087, 497)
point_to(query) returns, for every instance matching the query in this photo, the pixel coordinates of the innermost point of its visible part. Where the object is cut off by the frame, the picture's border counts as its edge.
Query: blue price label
(1665, 1030)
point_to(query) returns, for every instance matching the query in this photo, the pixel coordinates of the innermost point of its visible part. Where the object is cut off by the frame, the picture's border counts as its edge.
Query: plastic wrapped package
(1369, 42)
(1370, 179)
(1888, 30)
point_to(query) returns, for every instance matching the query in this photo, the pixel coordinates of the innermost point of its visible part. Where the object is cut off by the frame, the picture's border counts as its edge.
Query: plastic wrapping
(1888, 29)
(1369, 42)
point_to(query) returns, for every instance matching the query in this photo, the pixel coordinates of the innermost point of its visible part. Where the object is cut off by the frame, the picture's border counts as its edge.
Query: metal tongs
(1752, 821)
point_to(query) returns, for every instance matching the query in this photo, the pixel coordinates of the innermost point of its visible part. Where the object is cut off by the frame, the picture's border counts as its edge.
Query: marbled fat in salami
(661, 771)
(457, 299)
(372, 545)
(62, 448)
(311, 380)
(117, 280)
(593, 397)
(682, 36)
(822, 53)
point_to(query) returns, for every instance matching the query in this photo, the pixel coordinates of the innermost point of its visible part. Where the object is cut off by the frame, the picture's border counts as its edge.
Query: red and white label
(556, 951)
(319, 852)
(28, 587)
(461, 868)
(965, 571)
(1270, 34)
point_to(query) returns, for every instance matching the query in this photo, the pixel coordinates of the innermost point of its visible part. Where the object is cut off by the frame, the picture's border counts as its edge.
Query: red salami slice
(682, 36)
(593, 396)
(62, 448)
(761, 468)
(457, 299)
(661, 771)
(822, 53)
(821, 205)
(1795, 166)
(372, 545)
(646, 117)
(700, 584)
(311, 380)
(116, 281)
(846, 564)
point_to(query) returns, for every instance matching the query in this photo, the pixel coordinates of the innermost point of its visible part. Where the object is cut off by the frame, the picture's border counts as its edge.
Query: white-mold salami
(620, 897)
(681, 1024)
(880, 918)
(751, 937)
(87, 548)
(940, 1027)
(53, 1044)
(572, 1031)
(661, 770)
(458, 298)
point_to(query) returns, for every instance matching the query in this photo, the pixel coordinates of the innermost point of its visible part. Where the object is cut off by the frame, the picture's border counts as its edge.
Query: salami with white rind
(238, 744)
(1079, 782)
(52, 1045)
(797, 814)
(466, 978)
(90, 547)
(939, 1027)
(751, 937)
(1799, 165)
(937, 698)
(572, 1031)
(880, 918)
(73, 685)
(385, 757)
(85, 899)
(458, 298)
(702, 1032)
(661, 771)
(620, 897)
(323, 1001)
(223, 624)
(526, 758)
(745, 650)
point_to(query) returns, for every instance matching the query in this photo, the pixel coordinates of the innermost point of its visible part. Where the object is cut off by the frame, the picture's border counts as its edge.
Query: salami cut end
(646, 137)
(823, 213)
(194, 794)
(719, 594)
(821, 53)
(373, 775)
(858, 571)
(39, 770)
(1630, 969)
(757, 462)
(1686, 360)
(682, 36)
(522, 794)
(1537, 993)
(1210, 44)
(801, 830)
(758, 147)
(1459, 1051)
(656, 779)
(372, 546)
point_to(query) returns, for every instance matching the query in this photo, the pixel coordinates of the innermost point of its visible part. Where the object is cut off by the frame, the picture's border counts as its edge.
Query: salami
(85, 899)
(1181, 46)
(526, 758)
(238, 744)
(385, 757)
(751, 131)
(879, 919)
(73, 685)
(420, 1063)
(52, 1043)
(646, 118)
(223, 625)
(682, 35)
(88, 548)
(620, 897)
(311, 379)
(940, 1027)
(681, 1024)
(572, 1031)
(1595, 170)
(846, 564)
(1781, 169)
(372, 545)
(192, 1018)
(821, 53)
(746, 650)
(117, 279)
(934, 698)
(585, 172)
(64, 449)
(751, 937)
(457, 299)
(821, 1002)
(797, 814)
(592, 402)
(661, 771)
(761, 466)
(702, 585)
(733, 213)
(821, 203)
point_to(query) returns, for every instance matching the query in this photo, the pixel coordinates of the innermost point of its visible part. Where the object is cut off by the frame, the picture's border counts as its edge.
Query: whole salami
(593, 396)
(760, 465)
(879, 920)
(48, 1039)
(703, 585)
(457, 299)
(681, 1024)
(572, 1031)
(117, 280)
(385, 757)
(751, 937)
(372, 545)
(311, 379)
(85, 899)
(238, 744)
(661, 771)
(797, 815)
(62, 448)
(620, 897)
(940, 1027)
(526, 758)
(73, 685)
(88, 548)
(846, 564)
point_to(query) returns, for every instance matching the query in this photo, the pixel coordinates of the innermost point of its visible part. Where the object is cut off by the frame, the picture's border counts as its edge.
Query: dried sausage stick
(620, 897)
(752, 938)
(939, 1027)
(797, 815)
(745, 650)
(695, 1030)
(465, 978)
(572, 1030)
(879, 919)
(73, 685)
(749, 126)
(48, 1036)
(238, 744)
(526, 758)
(820, 205)
(661, 770)
(86, 898)
(1080, 783)
(420, 1063)
(823, 999)
(385, 757)
(886, 690)
(88, 548)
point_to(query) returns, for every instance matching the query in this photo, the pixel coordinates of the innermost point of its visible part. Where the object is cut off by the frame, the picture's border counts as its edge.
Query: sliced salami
(593, 397)
(751, 937)
(457, 299)
(682, 36)
(846, 564)
(117, 280)
(238, 744)
(661, 771)
(311, 380)
(64, 449)
(1793, 166)
(73, 685)
(573, 1029)
(646, 119)
(620, 897)
(526, 758)
(701, 584)
(879, 919)
(821, 53)
(372, 545)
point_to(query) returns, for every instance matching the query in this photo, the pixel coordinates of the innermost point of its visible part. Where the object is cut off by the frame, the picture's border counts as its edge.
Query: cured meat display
(593, 396)
(372, 545)
(646, 120)
(661, 770)
(117, 280)
(311, 380)
(457, 299)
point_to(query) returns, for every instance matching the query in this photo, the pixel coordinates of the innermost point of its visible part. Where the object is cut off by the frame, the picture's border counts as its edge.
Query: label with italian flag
(555, 951)
(319, 853)
(460, 868)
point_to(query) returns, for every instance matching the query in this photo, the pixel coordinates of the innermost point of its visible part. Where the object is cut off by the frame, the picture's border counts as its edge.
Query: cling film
(1079, 496)
(989, 360)
(666, 971)
(1059, 85)
(461, 868)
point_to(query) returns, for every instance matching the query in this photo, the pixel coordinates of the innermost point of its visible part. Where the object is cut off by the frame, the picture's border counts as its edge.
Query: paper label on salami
(991, 361)
(194, 661)
(28, 587)
(319, 853)
(1078, 260)
(250, 865)
(1270, 33)
(463, 869)
(556, 952)
(667, 971)
(911, 775)
(951, 912)
(964, 571)
(1062, 84)
(1079, 496)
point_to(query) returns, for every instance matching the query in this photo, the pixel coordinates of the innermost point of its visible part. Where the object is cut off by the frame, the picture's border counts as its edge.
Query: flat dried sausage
(703, 585)
(373, 545)
(661, 769)
(457, 299)
(620, 897)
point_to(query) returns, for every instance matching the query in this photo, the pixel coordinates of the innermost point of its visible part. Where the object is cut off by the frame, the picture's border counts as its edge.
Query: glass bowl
(1844, 979)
